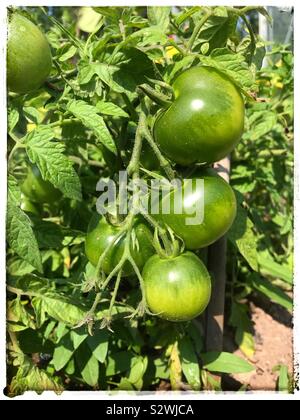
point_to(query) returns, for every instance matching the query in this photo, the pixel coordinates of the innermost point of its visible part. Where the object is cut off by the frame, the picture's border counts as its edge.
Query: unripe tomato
(37, 189)
(205, 121)
(29, 59)
(177, 289)
(219, 206)
(101, 233)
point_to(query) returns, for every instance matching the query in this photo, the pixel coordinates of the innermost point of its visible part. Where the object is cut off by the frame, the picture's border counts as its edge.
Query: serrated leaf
(243, 238)
(13, 192)
(31, 378)
(233, 65)
(225, 363)
(21, 238)
(189, 363)
(108, 108)
(218, 28)
(63, 308)
(88, 115)
(98, 343)
(52, 163)
(159, 16)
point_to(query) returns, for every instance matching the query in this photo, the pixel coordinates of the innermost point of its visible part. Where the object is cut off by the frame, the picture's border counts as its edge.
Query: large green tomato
(37, 189)
(29, 59)
(177, 289)
(205, 121)
(101, 233)
(218, 204)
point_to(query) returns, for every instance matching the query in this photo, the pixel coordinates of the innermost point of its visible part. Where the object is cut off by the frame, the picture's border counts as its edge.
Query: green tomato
(177, 289)
(28, 206)
(29, 59)
(219, 209)
(205, 121)
(101, 233)
(37, 189)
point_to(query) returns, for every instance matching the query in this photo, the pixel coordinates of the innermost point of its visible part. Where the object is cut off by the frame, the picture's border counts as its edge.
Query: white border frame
(122, 395)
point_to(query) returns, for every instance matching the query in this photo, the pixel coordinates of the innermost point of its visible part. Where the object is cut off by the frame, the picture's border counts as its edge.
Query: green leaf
(63, 352)
(71, 51)
(78, 336)
(233, 65)
(273, 292)
(225, 362)
(118, 363)
(53, 164)
(31, 378)
(108, 108)
(185, 14)
(218, 28)
(240, 320)
(63, 308)
(14, 192)
(137, 371)
(270, 267)
(98, 344)
(13, 118)
(241, 235)
(21, 238)
(283, 381)
(159, 16)
(88, 365)
(40, 311)
(189, 363)
(88, 19)
(88, 115)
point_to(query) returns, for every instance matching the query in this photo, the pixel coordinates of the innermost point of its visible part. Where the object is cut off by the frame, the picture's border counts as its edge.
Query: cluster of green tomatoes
(201, 126)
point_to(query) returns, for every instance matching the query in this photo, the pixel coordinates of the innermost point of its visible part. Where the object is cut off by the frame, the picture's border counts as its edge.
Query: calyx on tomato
(219, 209)
(178, 288)
(205, 121)
(29, 58)
(101, 233)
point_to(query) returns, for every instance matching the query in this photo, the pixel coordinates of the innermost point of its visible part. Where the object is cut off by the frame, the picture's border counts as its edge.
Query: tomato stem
(198, 28)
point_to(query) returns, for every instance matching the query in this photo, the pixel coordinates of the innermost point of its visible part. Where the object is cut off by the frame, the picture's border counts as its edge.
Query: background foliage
(79, 127)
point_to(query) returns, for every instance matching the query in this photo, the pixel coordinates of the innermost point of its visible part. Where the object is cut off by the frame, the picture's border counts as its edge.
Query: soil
(273, 336)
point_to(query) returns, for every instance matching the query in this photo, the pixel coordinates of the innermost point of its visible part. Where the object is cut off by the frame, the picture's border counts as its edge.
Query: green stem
(252, 37)
(157, 97)
(197, 29)
(114, 296)
(164, 163)
(134, 163)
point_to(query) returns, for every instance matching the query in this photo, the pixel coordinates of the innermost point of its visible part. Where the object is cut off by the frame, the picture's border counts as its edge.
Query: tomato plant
(158, 94)
(206, 119)
(178, 288)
